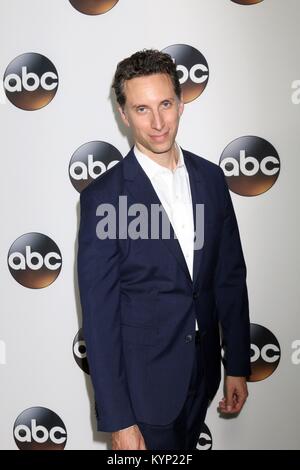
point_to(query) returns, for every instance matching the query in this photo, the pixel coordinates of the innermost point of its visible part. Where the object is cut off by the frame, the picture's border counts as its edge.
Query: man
(152, 306)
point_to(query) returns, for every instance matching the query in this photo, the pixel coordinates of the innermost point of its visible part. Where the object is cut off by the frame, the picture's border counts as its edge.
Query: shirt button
(188, 338)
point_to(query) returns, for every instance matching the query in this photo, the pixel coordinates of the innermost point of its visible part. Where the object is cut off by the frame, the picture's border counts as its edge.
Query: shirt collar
(152, 168)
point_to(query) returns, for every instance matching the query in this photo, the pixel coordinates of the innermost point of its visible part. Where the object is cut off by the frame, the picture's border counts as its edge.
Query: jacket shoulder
(206, 167)
(108, 183)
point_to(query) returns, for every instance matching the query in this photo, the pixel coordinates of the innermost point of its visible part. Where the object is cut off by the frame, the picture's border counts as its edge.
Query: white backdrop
(253, 89)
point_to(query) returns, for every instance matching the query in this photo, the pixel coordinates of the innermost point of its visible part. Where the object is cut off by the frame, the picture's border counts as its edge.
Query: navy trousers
(183, 433)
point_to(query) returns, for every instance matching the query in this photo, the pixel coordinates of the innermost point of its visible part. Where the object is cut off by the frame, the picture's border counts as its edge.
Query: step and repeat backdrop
(238, 62)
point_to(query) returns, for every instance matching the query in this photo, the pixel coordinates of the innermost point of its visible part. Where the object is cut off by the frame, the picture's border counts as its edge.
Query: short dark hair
(141, 63)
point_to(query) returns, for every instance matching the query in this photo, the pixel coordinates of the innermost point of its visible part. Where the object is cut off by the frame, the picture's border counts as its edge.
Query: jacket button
(195, 295)
(188, 338)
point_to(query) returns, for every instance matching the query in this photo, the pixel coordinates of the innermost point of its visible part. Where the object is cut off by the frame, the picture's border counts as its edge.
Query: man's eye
(166, 104)
(141, 109)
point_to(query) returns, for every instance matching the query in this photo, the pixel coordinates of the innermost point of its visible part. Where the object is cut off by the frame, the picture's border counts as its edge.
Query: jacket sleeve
(99, 286)
(231, 292)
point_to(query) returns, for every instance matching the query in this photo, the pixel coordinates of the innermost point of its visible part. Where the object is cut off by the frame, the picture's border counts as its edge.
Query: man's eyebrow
(139, 106)
(145, 105)
(168, 99)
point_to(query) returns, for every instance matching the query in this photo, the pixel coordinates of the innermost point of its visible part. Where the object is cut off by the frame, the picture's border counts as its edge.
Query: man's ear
(123, 116)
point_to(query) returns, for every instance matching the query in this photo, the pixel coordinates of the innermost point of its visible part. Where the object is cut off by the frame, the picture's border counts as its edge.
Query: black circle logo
(205, 439)
(91, 160)
(192, 70)
(34, 260)
(251, 165)
(247, 2)
(79, 352)
(30, 81)
(265, 353)
(93, 7)
(39, 428)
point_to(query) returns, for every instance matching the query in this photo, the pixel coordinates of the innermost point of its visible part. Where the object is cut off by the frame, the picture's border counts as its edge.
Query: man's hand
(128, 439)
(236, 393)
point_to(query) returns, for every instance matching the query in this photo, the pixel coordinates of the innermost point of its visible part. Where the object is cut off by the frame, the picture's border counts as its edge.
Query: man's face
(152, 111)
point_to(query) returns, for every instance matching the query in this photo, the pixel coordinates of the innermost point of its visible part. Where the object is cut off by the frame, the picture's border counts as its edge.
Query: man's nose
(157, 121)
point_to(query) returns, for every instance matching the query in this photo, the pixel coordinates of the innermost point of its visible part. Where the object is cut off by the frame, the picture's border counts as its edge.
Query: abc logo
(91, 160)
(205, 439)
(296, 94)
(79, 352)
(93, 7)
(39, 428)
(30, 81)
(34, 260)
(296, 353)
(192, 70)
(246, 2)
(265, 353)
(251, 165)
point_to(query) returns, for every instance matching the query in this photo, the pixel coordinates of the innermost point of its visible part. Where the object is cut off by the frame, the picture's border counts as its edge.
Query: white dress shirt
(173, 189)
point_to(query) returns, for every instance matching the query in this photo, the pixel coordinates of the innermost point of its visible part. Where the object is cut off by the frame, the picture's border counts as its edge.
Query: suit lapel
(142, 191)
(198, 192)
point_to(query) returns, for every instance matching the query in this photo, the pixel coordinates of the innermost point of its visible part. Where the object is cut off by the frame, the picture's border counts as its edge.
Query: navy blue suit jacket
(139, 302)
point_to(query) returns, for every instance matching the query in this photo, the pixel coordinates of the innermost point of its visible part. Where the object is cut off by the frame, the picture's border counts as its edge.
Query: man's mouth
(159, 137)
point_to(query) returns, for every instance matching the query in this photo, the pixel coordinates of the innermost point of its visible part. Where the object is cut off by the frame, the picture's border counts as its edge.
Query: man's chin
(161, 148)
